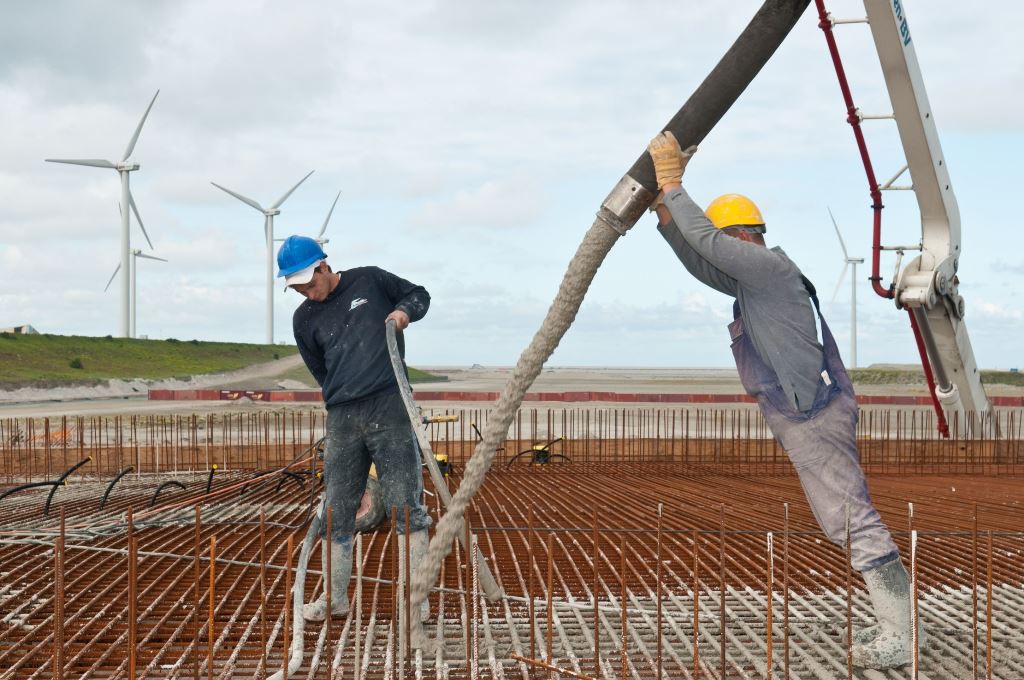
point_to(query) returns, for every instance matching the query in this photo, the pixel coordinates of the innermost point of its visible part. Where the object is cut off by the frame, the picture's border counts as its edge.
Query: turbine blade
(150, 257)
(135, 137)
(839, 284)
(91, 162)
(135, 209)
(842, 245)
(116, 270)
(283, 198)
(240, 197)
(329, 213)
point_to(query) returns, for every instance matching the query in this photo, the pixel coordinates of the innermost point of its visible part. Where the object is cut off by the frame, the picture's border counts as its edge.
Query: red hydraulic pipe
(943, 425)
(825, 24)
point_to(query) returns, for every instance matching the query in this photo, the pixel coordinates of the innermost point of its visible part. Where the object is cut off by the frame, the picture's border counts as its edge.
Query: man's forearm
(415, 304)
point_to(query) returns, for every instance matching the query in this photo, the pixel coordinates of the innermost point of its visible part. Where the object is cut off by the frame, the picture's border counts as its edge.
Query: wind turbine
(268, 232)
(123, 167)
(853, 290)
(320, 237)
(135, 253)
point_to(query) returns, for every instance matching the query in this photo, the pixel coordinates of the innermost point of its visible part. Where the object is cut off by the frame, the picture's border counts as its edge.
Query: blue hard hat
(297, 253)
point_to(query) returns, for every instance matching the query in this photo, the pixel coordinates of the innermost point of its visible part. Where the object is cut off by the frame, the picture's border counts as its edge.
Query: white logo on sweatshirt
(357, 302)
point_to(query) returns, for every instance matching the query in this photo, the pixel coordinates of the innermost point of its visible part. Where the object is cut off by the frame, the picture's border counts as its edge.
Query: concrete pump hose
(618, 213)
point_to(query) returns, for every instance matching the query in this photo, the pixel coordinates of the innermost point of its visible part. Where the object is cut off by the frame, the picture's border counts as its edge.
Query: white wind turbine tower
(123, 167)
(268, 231)
(853, 290)
(136, 253)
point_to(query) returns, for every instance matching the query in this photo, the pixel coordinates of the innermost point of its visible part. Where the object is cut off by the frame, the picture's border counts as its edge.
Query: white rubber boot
(418, 541)
(892, 644)
(862, 636)
(341, 572)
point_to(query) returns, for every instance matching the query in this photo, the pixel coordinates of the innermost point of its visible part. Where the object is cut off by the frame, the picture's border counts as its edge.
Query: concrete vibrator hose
(618, 213)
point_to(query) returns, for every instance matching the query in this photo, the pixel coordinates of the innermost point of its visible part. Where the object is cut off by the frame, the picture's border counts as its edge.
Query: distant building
(20, 330)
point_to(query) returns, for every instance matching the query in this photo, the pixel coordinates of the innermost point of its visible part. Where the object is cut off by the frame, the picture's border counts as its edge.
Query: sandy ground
(130, 397)
(266, 373)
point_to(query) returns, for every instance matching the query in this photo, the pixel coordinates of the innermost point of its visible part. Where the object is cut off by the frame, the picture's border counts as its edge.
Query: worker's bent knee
(339, 537)
(418, 518)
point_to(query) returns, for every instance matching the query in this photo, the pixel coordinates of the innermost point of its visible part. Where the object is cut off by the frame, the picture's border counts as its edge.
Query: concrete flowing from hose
(488, 584)
(619, 212)
(296, 652)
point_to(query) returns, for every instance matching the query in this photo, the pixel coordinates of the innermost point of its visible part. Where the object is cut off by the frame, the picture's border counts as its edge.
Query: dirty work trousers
(372, 430)
(822, 445)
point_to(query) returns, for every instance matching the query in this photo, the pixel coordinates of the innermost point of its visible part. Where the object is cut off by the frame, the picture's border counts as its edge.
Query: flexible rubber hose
(23, 487)
(755, 45)
(113, 482)
(61, 482)
(163, 486)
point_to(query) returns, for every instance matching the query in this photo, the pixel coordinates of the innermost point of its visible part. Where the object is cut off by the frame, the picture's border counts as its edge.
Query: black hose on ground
(60, 482)
(209, 480)
(288, 474)
(164, 486)
(113, 482)
(23, 487)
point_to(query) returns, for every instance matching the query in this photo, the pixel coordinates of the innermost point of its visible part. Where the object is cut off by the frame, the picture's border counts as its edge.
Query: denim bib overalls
(821, 442)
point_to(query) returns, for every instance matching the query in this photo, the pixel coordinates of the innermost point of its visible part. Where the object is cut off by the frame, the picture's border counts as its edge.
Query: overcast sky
(472, 143)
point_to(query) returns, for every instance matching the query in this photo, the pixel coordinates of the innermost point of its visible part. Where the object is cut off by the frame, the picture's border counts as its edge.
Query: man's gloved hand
(669, 159)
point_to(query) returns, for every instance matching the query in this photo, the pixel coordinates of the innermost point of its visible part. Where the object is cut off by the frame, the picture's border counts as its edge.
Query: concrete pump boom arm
(928, 285)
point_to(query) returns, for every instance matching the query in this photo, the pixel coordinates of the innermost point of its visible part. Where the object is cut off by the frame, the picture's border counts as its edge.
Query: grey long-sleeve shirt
(777, 313)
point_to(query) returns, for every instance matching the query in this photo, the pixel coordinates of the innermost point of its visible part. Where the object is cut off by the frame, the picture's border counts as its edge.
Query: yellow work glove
(669, 159)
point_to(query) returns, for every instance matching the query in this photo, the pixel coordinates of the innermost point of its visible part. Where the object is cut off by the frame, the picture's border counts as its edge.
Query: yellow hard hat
(734, 210)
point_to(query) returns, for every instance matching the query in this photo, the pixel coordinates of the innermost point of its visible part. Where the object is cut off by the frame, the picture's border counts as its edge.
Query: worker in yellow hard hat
(800, 384)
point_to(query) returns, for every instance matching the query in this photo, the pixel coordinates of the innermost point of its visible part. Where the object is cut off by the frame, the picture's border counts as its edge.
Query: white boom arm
(928, 284)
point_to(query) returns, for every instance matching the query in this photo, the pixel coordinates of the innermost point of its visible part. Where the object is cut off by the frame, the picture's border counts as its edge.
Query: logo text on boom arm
(897, 8)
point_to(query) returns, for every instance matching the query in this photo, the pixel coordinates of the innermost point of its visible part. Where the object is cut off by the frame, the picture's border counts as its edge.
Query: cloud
(500, 204)
(1009, 267)
(473, 143)
(999, 312)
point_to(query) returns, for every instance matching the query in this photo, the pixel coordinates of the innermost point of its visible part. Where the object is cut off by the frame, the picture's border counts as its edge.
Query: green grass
(418, 376)
(55, 360)
(302, 375)
(1002, 378)
(896, 376)
(886, 376)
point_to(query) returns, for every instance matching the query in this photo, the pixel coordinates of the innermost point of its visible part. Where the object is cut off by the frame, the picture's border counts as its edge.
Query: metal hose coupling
(627, 201)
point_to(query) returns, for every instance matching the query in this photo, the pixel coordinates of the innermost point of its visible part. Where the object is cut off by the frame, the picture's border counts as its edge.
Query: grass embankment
(302, 375)
(46, 361)
(58, 360)
(896, 376)
(418, 376)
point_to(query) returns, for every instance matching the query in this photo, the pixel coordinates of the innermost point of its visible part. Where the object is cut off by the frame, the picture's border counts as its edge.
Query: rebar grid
(537, 527)
(900, 441)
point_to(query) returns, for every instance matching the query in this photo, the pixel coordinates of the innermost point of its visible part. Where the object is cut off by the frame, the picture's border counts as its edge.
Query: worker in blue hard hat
(800, 384)
(340, 332)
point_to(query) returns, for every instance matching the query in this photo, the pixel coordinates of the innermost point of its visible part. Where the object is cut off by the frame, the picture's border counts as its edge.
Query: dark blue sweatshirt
(343, 339)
